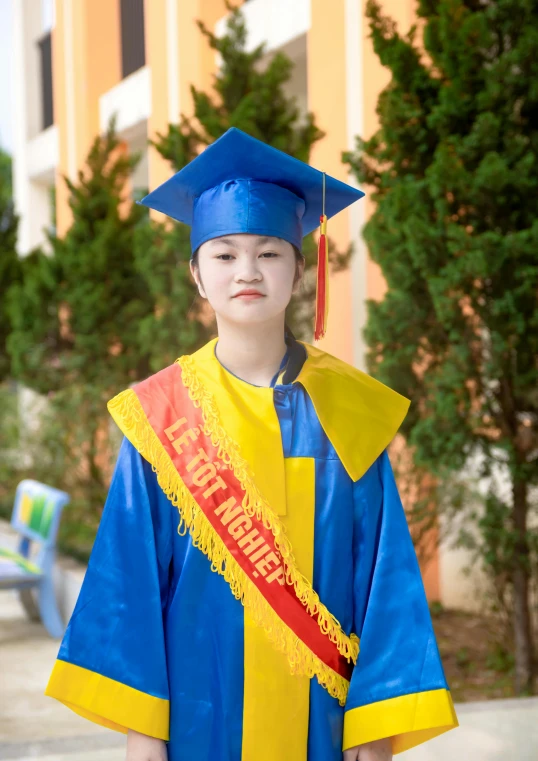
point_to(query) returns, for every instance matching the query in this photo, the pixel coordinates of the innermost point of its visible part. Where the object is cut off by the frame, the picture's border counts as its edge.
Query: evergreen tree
(454, 172)
(5, 177)
(249, 93)
(10, 273)
(176, 325)
(76, 317)
(87, 293)
(9, 260)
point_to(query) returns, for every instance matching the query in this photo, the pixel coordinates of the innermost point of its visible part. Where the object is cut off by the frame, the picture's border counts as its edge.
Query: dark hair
(299, 256)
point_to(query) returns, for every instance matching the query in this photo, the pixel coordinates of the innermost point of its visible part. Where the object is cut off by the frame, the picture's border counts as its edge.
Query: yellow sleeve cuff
(107, 702)
(409, 720)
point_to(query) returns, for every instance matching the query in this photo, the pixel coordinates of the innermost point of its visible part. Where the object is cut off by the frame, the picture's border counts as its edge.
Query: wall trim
(172, 61)
(69, 54)
(357, 215)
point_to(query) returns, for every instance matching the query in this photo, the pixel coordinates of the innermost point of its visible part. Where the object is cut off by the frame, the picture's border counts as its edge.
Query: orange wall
(376, 78)
(326, 77)
(210, 12)
(95, 68)
(156, 58)
(100, 65)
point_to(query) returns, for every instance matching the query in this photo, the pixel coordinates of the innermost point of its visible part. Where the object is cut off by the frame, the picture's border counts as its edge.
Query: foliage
(455, 232)
(5, 177)
(249, 93)
(176, 325)
(9, 261)
(76, 314)
(500, 659)
(9, 441)
(76, 317)
(45, 439)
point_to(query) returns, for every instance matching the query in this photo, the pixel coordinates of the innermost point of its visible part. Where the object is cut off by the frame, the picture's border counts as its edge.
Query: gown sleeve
(111, 666)
(398, 688)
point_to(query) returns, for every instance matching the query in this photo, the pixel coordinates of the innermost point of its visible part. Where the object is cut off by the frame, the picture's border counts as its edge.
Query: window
(45, 62)
(133, 53)
(47, 15)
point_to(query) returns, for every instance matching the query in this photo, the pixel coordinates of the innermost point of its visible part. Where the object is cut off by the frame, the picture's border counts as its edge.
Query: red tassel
(322, 283)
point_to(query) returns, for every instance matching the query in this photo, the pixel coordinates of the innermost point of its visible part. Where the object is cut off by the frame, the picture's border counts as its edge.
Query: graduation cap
(240, 185)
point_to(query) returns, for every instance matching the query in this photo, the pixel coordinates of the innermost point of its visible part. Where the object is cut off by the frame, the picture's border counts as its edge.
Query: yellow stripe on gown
(276, 703)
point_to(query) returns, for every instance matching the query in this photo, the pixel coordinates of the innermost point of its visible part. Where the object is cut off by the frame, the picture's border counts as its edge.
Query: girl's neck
(252, 352)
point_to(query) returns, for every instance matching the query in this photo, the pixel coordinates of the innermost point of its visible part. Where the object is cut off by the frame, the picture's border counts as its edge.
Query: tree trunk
(520, 579)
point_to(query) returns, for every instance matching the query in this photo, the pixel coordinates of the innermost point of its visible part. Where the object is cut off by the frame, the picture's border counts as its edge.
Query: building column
(31, 198)
(80, 76)
(161, 47)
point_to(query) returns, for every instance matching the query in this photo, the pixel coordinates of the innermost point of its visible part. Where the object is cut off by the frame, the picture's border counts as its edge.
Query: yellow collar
(359, 414)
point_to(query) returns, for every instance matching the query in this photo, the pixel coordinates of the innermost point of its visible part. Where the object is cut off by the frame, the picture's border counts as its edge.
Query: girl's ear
(196, 276)
(299, 272)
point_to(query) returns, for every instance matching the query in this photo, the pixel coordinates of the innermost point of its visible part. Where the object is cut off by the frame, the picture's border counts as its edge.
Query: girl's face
(247, 278)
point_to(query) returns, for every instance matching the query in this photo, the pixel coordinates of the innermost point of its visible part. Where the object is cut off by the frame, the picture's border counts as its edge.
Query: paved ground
(493, 730)
(34, 726)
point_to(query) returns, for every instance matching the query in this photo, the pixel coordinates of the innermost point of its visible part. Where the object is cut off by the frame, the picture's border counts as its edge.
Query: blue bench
(35, 518)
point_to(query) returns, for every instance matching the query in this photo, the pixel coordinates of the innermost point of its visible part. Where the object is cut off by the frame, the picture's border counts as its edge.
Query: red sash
(179, 424)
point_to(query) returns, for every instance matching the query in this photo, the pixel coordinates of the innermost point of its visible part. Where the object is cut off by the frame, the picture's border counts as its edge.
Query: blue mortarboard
(240, 185)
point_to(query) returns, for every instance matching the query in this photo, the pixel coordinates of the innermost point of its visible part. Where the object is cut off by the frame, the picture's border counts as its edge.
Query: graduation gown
(159, 644)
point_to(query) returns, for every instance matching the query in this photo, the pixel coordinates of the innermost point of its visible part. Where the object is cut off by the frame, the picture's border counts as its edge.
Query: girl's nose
(248, 270)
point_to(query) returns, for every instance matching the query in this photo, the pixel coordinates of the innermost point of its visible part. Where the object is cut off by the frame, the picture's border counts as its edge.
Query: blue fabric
(286, 200)
(152, 614)
(119, 612)
(399, 653)
(247, 206)
(205, 660)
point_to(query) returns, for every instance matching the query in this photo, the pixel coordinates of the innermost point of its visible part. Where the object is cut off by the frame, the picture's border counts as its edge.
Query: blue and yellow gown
(158, 643)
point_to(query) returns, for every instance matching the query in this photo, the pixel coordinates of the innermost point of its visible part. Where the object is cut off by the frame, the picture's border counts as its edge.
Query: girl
(253, 593)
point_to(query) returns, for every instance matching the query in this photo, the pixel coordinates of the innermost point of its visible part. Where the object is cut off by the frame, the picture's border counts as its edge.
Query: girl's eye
(269, 254)
(224, 257)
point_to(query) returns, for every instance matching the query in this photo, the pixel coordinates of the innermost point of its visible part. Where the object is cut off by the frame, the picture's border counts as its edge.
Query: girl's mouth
(248, 295)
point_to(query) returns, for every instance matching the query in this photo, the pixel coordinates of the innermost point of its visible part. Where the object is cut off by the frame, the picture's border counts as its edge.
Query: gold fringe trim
(255, 504)
(128, 413)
